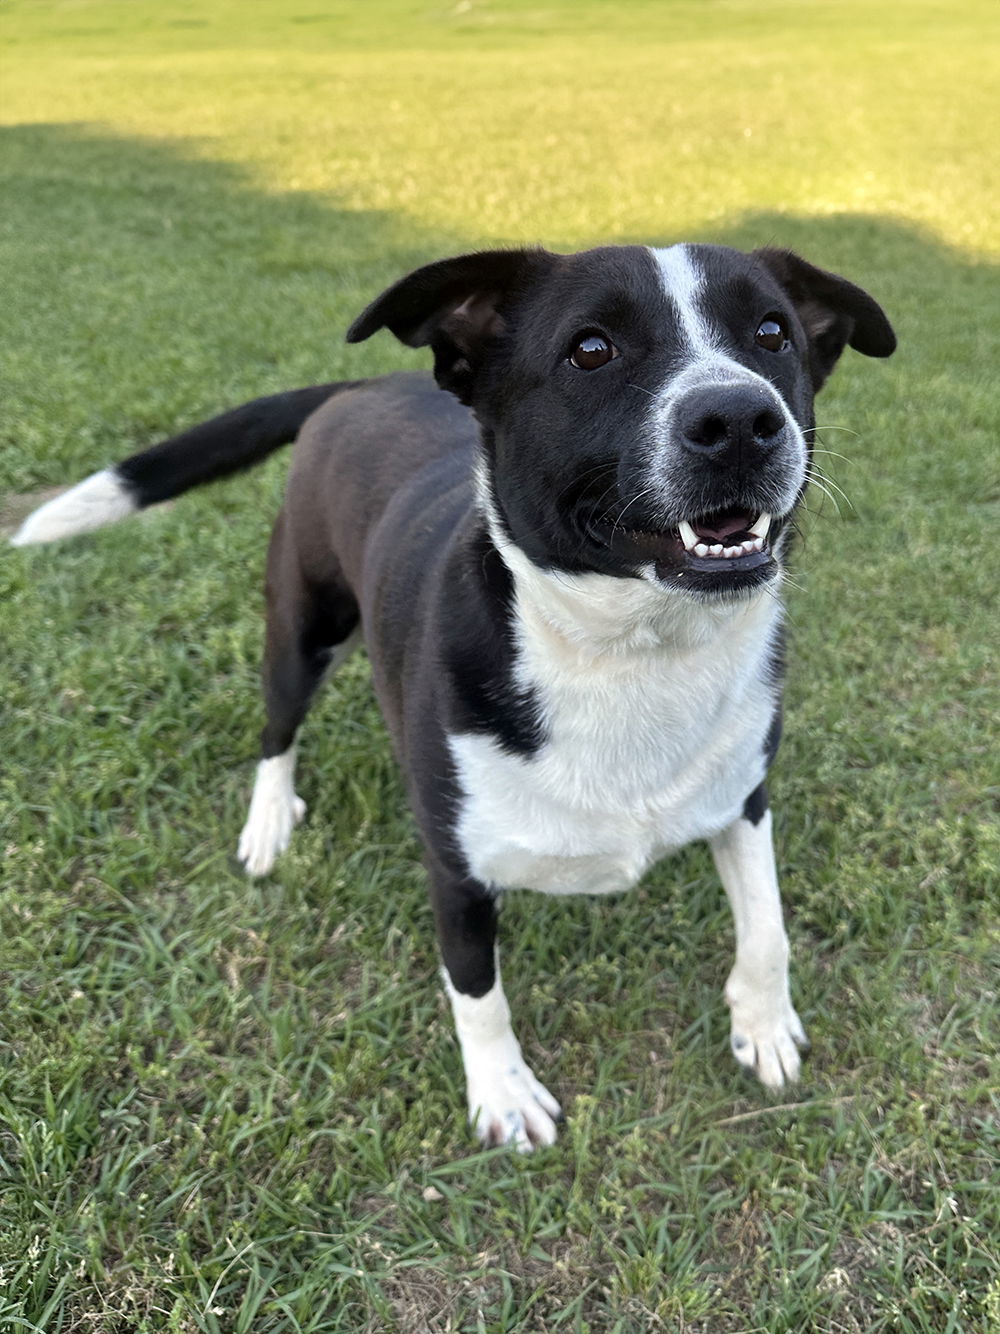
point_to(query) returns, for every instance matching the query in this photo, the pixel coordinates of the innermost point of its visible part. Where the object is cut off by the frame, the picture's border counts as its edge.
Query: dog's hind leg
(312, 627)
(507, 1104)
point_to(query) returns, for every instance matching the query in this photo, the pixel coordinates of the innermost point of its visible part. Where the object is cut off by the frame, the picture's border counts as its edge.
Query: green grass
(235, 1107)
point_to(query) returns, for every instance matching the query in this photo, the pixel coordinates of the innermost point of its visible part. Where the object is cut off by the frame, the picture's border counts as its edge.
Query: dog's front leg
(766, 1031)
(507, 1104)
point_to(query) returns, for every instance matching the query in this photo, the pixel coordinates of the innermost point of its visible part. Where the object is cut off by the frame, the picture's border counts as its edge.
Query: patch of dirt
(15, 509)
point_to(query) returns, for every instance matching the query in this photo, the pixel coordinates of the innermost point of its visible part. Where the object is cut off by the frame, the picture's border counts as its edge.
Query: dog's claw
(510, 1106)
(766, 1033)
(769, 1044)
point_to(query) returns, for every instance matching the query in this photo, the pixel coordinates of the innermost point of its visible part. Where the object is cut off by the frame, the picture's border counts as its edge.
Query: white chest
(649, 747)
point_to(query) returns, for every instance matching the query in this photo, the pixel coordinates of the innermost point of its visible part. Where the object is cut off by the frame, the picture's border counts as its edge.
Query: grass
(234, 1107)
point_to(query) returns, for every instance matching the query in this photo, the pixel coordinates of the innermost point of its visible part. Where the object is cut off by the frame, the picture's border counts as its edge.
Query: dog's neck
(600, 616)
(590, 616)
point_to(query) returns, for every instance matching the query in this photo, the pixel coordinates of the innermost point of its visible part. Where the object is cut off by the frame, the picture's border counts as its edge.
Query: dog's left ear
(834, 313)
(455, 306)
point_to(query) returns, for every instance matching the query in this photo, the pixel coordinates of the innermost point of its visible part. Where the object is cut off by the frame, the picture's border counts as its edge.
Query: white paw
(275, 810)
(507, 1104)
(766, 1035)
(267, 834)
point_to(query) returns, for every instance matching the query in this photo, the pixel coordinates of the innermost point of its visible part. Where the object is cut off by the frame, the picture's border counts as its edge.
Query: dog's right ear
(455, 306)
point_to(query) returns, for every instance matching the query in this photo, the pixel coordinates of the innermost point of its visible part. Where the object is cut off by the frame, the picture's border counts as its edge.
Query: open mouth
(721, 550)
(720, 536)
(727, 535)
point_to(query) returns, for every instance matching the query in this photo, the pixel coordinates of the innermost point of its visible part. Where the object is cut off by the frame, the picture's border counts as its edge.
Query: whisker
(648, 491)
(822, 481)
(829, 495)
(579, 477)
(815, 470)
(817, 514)
(832, 453)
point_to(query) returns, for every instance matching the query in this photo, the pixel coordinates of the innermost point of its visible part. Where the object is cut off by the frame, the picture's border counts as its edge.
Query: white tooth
(701, 549)
(730, 552)
(715, 549)
(761, 526)
(747, 546)
(688, 536)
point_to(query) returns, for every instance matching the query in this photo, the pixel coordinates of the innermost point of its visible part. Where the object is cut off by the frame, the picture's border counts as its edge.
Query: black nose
(731, 424)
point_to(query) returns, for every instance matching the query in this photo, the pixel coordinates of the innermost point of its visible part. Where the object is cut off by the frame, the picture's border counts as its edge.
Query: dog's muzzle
(703, 509)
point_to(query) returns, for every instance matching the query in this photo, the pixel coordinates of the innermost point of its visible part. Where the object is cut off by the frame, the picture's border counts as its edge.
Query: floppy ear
(456, 306)
(834, 313)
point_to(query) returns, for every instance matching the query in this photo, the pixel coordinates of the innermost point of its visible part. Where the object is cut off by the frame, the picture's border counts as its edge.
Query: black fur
(222, 446)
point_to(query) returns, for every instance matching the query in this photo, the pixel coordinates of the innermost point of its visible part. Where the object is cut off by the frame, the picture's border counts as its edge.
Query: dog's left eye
(592, 350)
(772, 335)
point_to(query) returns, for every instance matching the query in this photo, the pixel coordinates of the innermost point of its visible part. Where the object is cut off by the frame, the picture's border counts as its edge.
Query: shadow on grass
(170, 279)
(148, 286)
(270, 1056)
(145, 286)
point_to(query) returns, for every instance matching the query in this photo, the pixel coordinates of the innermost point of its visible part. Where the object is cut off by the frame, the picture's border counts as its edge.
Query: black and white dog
(566, 572)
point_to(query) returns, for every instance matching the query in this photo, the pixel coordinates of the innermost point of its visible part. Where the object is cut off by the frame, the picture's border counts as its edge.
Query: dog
(566, 571)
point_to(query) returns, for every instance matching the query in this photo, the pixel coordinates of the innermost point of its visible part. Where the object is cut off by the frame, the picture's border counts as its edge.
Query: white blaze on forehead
(682, 282)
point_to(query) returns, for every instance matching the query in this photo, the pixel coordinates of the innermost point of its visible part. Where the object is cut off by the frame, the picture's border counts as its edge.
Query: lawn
(235, 1107)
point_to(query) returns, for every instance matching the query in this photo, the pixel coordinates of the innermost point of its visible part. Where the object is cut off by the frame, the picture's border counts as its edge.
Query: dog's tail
(214, 449)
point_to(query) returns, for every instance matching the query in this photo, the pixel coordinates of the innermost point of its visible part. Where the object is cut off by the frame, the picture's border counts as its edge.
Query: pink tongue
(723, 527)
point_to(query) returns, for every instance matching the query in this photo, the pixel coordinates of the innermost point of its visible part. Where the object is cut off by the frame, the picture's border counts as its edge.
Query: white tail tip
(98, 500)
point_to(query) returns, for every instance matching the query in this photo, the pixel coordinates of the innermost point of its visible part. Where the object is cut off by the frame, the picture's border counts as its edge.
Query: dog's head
(644, 413)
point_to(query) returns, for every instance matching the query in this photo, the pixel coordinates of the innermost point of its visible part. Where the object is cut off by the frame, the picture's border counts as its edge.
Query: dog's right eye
(591, 351)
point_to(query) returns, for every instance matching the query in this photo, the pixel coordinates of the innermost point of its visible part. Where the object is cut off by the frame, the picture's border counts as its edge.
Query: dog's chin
(721, 556)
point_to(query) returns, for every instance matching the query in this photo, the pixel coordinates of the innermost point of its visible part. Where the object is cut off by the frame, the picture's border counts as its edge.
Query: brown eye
(772, 335)
(592, 351)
